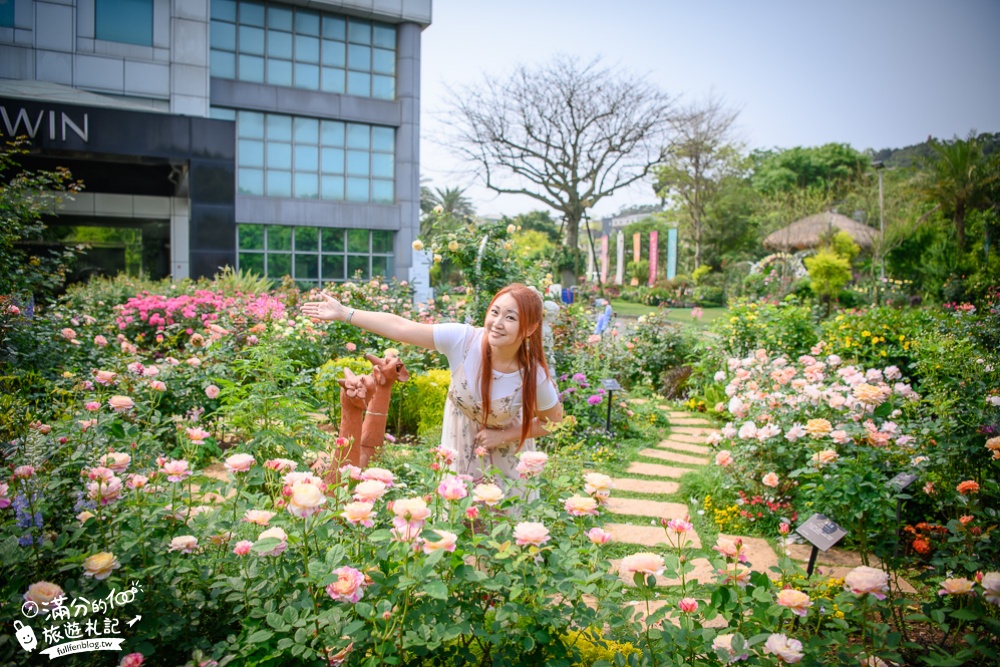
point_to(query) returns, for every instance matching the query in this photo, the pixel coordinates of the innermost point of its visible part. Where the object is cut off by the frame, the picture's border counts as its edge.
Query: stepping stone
(654, 509)
(697, 431)
(689, 421)
(645, 486)
(703, 573)
(837, 563)
(638, 401)
(760, 554)
(670, 443)
(656, 470)
(648, 536)
(217, 471)
(673, 457)
(688, 438)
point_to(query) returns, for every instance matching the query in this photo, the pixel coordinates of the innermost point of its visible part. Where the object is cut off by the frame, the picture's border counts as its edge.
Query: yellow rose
(100, 565)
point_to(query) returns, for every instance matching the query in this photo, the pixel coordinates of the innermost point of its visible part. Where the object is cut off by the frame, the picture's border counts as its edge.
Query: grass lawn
(679, 315)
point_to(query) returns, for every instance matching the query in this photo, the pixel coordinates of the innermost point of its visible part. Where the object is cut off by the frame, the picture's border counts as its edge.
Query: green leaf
(259, 637)
(276, 621)
(436, 589)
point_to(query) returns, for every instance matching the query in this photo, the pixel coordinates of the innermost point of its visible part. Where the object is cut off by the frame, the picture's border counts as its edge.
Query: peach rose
(581, 506)
(724, 644)
(121, 403)
(42, 593)
(795, 600)
(770, 479)
(197, 434)
(276, 533)
(369, 491)
(446, 542)
(306, 500)
(531, 463)
(379, 474)
(176, 470)
(862, 580)
(599, 536)
(259, 517)
(642, 563)
(956, 586)
(869, 395)
(100, 565)
(158, 385)
(411, 509)
(281, 465)
(993, 444)
(968, 487)
(185, 544)
(349, 586)
(240, 463)
(105, 491)
(723, 458)
(358, 513)
(730, 548)
(105, 377)
(117, 461)
(818, 427)
(452, 488)
(597, 484)
(530, 533)
(787, 650)
(991, 587)
(242, 547)
(824, 457)
(490, 494)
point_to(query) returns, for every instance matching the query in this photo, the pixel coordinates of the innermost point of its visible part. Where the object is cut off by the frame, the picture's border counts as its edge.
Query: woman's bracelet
(350, 314)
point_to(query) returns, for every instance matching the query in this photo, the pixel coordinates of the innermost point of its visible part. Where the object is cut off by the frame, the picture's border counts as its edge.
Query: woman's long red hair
(530, 356)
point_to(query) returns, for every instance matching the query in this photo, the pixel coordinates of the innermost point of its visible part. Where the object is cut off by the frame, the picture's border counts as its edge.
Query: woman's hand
(329, 309)
(492, 438)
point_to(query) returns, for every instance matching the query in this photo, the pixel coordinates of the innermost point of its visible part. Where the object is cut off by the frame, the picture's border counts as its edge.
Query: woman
(490, 365)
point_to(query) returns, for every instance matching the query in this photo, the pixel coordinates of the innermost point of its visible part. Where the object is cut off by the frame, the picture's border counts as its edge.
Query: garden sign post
(899, 483)
(821, 533)
(612, 386)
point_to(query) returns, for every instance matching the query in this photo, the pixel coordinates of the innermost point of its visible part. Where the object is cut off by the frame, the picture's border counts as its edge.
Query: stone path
(654, 498)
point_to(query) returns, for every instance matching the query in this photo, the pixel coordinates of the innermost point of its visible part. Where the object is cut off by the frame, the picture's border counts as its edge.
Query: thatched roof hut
(808, 232)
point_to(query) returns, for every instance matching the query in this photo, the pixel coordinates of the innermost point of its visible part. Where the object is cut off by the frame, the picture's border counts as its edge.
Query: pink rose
(132, 660)
(349, 587)
(351, 347)
(446, 542)
(274, 533)
(642, 563)
(68, 334)
(242, 547)
(281, 465)
(581, 506)
(862, 580)
(599, 536)
(105, 492)
(730, 548)
(239, 463)
(688, 605)
(369, 491)
(452, 488)
(121, 403)
(212, 391)
(176, 470)
(795, 600)
(380, 474)
(770, 479)
(531, 463)
(24, 472)
(787, 650)
(723, 458)
(185, 544)
(991, 587)
(158, 385)
(105, 377)
(530, 533)
(411, 509)
(136, 481)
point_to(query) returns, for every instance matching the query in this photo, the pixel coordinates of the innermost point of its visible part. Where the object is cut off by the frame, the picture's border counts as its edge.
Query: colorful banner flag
(604, 259)
(654, 255)
(671, 253)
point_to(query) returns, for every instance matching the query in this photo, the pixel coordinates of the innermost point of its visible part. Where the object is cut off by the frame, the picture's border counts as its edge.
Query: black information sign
(821, 532)
(611, 385)
(901, 481)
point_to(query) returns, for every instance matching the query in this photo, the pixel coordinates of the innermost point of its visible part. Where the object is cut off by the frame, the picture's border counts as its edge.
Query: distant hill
(913, 155)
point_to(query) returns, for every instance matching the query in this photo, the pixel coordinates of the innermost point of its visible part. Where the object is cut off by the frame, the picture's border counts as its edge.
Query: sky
(869, 73)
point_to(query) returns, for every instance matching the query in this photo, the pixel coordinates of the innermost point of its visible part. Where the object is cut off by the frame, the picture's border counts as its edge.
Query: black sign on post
(611, 385)
(899, 484)
(822, 533)
(901, 481)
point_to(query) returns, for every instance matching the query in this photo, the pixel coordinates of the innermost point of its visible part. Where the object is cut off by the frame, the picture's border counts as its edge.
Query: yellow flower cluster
(725, 518)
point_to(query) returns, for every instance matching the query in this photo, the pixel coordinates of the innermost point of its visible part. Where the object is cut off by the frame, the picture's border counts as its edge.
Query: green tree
(829, 168)
(565, 133)
(26, 197)
(696, 163)
(444, 210)
(960, 179)
(830, 268)
(538, 220)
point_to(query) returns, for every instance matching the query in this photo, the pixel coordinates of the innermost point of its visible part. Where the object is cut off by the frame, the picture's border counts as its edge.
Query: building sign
(50, 123)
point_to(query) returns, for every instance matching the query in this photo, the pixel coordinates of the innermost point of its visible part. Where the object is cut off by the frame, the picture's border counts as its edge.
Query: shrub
(878, 335)
(424, 400)
(778, 327)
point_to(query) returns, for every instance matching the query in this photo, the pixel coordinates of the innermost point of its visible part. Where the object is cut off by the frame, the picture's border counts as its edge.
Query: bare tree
(566, 133)
(702, 154)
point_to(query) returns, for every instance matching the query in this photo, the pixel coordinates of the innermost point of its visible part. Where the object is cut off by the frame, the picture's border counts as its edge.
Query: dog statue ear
(378, 375)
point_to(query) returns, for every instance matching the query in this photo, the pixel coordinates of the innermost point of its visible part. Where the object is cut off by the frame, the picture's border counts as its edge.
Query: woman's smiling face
(503, 325)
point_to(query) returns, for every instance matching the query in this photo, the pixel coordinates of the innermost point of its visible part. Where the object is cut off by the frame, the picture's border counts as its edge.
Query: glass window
(334, 53)
(279, 127)
(306, 266)
(279, 266)
(279, 183)
(250, 181)
(128, 21)
(383, 61)
(358, 136)
(359, 57)
(279, 44)
(223, 64)
(383, 139)
(220, 113)
(279, 17)
(306, 239)
(359, 32)
(224, 10)
(306, 22)
(306, 186)
(334, 27)
(381, 241)
(252, 40)
(357, 267)
(279, 155)
(384, 36)
(382, 191)
(332, 187)
(333, 240)
(306, 76)
(332, 132)
(357, 163)
(251, 237)
(252, 13)
(383, 87)
(332, 160)
(359, 84)
(251, 153)
(357, 189)
(306, 158)
(382, 165)
(223, 36)
(279, 72)
(305, 130)
(357, 240)
(252, 261)
(250, 124)
(251, 68)
(333, 267)
(332, 80)
(306, 49)
(279, 237)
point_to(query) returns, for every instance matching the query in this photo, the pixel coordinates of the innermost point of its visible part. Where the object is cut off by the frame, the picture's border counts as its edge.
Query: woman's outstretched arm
(386, 325)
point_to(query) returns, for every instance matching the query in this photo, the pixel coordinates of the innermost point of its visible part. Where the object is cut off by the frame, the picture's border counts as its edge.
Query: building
(281, 137)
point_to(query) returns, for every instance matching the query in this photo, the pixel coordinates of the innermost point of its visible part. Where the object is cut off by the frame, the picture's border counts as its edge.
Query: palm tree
(960, 178)
(444, 209)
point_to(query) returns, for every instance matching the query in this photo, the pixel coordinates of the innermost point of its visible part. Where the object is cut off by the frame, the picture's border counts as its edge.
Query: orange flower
(967, 487)
(921, 546)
